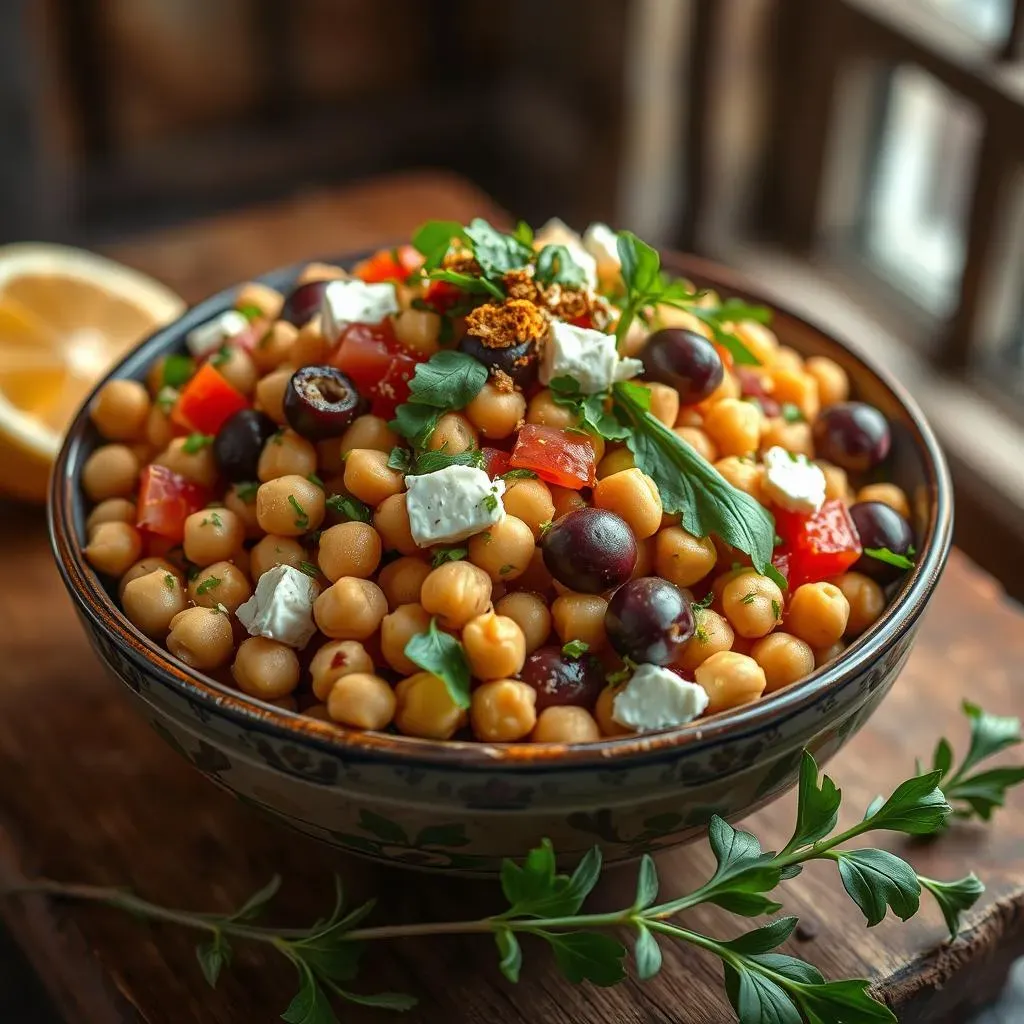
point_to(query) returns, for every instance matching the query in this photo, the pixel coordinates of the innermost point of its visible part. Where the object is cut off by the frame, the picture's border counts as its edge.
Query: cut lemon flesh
(66, 316)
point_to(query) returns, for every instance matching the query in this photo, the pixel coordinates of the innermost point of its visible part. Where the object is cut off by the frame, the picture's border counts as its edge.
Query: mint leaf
(588, 956)
(178, 370)
(954, 898)
(818, 807)
(442, 655)
(497, 253)
(917, 807)
(511, 955)
(757, 999)
(889, 557)
(647, 954)
(400, 459)
(434, 238)
(876, 879)
(555, 265)
(213, 956)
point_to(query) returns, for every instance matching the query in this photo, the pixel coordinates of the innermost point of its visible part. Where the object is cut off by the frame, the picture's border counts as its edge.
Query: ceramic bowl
(462, 807)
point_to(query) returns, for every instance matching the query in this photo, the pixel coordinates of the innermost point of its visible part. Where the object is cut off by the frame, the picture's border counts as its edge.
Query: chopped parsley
(309, 569)
(519, 474)
(314, 479)
(251, 311)
(748, 599)
(222, 356)
(506, 569)
(165, 399)
(890, 557)
(791, 413)
(213, 519)
(178, 369)
(210, 583)
(545, 526)
(489, 501)
(301, 519)
(776, 609)
(705, 601)
(575, 648)
(442, 555)
(352, 508)
(431, 462)
(196, 443)
(169, 581)
(620, 675)
(246, 492)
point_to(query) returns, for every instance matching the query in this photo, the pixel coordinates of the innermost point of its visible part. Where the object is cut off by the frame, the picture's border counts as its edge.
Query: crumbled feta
(209, 337)
(282, 607)
(792, 481)
(557, 232)
(588, 356)
(355, 302)
(452, 504)
(656, 698)
(603, 244)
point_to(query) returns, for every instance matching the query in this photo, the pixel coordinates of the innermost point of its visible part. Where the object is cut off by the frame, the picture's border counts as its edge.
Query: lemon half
(66, 316)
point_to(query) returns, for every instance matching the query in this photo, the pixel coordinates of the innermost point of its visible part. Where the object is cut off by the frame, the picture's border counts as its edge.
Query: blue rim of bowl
(64, 516)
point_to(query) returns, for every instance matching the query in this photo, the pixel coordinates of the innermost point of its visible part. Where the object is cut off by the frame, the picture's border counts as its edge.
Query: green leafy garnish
(523, 232)
(400, 459)
(351, 508)
(434, 239)
(213, 519)
(442, 655)
(251, 312)
(445, 382)
(690, 486)
(301, 518)
(489, 501)
(442, 555)
(496, 252)
(309, 569)
(431, 462)
(210, 583)
(220, 357)
(246, 492)
(169, 581)
(196, 443)
(575, 648)
(555, 265)
(519, 474)
(468, 283)
(889, 557)
(314, 479)
(178, 370)
(791, 413)
(591, 409)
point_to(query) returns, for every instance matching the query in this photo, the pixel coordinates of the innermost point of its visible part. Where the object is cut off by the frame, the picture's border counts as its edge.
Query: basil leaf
(877, 879)
(889, 557)
(555, 265)
(442, 655)
(497, 253)
(692, 487)
(434, 239)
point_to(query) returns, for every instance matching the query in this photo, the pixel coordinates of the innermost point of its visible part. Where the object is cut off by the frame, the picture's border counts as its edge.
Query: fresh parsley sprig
(763, 985)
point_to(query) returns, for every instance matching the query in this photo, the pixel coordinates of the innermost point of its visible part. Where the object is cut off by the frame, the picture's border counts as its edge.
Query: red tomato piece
(165, 501)
(207, 402)
(818, 546)
(393, 389)
(586, 320)
(496, 462)
(389, 265)
(442, 296)
(557, 456)
(380, 370)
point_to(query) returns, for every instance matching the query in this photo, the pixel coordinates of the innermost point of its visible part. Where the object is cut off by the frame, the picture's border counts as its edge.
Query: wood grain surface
(90, 794)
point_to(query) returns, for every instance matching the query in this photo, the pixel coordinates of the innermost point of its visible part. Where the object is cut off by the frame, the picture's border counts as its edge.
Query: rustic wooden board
(91, 795)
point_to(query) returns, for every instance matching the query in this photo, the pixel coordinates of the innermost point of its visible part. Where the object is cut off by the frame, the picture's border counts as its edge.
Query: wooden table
(91, 795)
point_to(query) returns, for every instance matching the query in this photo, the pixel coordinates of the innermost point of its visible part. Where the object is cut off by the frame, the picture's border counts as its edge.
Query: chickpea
(784, 658)
(729, 388)
(503, 711)
(362, 701)
(235, 365)
(565, 724)
(833, 383)
(320, 272)
(794, 437)
(143, 568)
(634, 496)
(111, 471)
(310, 347)
(664, 403)
(603, 713)
(495, 412)
(159, 428)
(261, 296)
(530, 501)
(273, 550)
(734, 426)
(120, 410)
(456, 592)
(370, 432)
(752, 604)
(544, 410)
(286, 454)
(787, 358)
(536, 578)
(818, 613)
(368, 477)
(290, 506)
(887, 494)
(796, 388)
(220, 584)
(397, 629)
(581, 617)
(617, 460)
(823, 655)
(644, 558)
(699, 441)
(682, 558)
(212, 535)
(453, 433)
(866, 599)
(113, 547)
(202, 638)
(504, 550)
(350, 609)
(349, 549)
(418, 330)
(335, 659)
(194, 464)
(565, 500)
(402, 580)
(275, 347)
(530, 613)
(270, 393)
(265, 668)
(730, 679)
(426, 709)
(113, 510)
(391, 521)
(837, 483)
(151, 601)
(760, 341)
(744, 474)
(711, 635)
(495, 646)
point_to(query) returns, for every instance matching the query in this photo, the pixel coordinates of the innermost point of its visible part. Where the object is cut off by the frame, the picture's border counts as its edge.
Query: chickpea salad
(510, 487)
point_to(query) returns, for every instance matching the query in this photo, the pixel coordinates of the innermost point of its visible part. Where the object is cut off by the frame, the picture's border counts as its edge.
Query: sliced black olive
(320, 402)
(520, 361)
(304, 303)
(238, 444)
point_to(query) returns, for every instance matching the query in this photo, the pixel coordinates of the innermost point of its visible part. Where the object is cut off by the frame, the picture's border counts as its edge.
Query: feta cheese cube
(355, 302)
(452, 504)
(656, 698)
(793, 482)
(586, 355)
(282, 607)
(603, 244)
(209, 337)
(557, 232)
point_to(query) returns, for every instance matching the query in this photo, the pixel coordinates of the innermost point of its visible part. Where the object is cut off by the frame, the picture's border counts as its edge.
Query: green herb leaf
(731, 311)
(434, 239)
(837, 1002)
(246, 493)
(210, 583)
(523, 232)
(647, 954)
(489, 501)
(415, 422)
(889, 557)
(511, 955)
(990, 735)
(431, 462)
(301, 518)
(763, 940)
(222, 355)
(196, 443)
(789, 967)
(876, 879)
(691, 486)
(314, 479)
(519, 474)
(309, 569)
(954, 898)
(442, 555)
(575, 648)
(258, 901)
(916, 807)
(397, 1001)
(442, 655)
(310, 1005)
(536, 890)
(169, 581)
(555, 265)
(646, 883)
(251, 312)
(757, 999)
(178, 370)
(213, 957)
(791, 413)
(593, 416)
(447, 380)
(497, 253)
(817, 808)
(400, 459)
(588, 956)
(468, 283)
(352, 508)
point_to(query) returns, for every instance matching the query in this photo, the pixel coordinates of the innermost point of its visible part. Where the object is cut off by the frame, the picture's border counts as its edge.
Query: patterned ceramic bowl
(462, 807)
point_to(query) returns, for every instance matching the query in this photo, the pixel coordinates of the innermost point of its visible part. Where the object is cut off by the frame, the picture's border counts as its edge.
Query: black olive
(303, 303)
(519, 361)
(239, 443)
(320, 402)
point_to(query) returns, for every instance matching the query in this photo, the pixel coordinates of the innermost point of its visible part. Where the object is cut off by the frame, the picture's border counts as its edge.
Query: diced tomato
(165, 501)
(207, 402)
(781, 561)
(389, 265)
(380, 370)
(393, 389)
(817, 546)
(557, 456)
(586, 320)
(496, 462)
(442, 296)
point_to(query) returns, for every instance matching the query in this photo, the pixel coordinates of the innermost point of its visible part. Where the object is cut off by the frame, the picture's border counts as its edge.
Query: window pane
(914, 215)
(987, 20)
